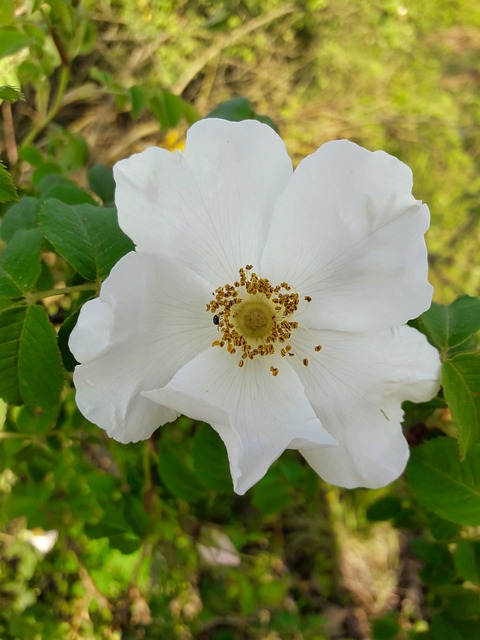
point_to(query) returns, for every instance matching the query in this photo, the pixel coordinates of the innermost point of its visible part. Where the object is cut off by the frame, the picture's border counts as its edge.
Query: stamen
(255, 317)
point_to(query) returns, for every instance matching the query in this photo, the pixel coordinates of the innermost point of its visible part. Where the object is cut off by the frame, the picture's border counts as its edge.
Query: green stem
(39, 295)
(5, 435)
(41, 438)
(54, 109)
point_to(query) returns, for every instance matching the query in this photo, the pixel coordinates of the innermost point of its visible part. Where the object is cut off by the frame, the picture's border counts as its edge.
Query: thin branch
(40, 295)
(9, 133)
(227, 41)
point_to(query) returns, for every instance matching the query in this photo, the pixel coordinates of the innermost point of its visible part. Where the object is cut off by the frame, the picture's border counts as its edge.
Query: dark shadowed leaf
(66, 329)
(178, 478)
(467, 560)
(101, 182)
(210, 460)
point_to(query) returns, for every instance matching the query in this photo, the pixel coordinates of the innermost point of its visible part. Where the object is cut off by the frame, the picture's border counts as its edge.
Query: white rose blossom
(268, 302)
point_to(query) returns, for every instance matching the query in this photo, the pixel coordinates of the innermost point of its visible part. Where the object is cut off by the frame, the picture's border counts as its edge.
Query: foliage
(151, 540)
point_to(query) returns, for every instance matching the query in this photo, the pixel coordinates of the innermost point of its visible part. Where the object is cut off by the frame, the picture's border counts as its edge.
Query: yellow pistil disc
(254, 316)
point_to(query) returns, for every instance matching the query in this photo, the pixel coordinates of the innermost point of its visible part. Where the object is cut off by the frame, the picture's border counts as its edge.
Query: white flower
(43, 541)
(269, 303)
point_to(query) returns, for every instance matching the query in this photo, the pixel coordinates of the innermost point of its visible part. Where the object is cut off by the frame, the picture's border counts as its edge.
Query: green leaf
(272, 493)
(167, 108)
(31, 154)
(136, 515)
(11, 325)
(234, 110)
(20, 264)
(125, 542)
(29, 358)
(37, 421)
(438, 566)
(40, 370)
(88, 237)
(7, 12)
(111, 522)
(384, 508)
(70, 194)
(8, 192)
(210, 460)
(443, 483)
(443, 628)
(386, 628)
(50, 181)
(463, 604)
(178, 478)
(461, 384)
(10, 94)
(11, 41)
(467, 560)
(238, 109)
(101, 182)
(449, 326)
(138, 98)
(21, 215)
(45, 170)
(440, 528)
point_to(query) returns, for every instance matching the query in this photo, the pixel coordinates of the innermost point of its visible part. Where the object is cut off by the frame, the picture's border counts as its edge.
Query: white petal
(257, 415)
(356, 385)
(96, 321)
(348, 232)
(372, 454)
(155, 313)
(209, 207)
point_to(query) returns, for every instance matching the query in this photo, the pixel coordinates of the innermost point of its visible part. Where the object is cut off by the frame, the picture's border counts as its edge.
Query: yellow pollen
(254, 317)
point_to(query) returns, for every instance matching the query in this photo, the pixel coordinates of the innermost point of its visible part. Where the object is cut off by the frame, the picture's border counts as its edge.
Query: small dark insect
(216, 320)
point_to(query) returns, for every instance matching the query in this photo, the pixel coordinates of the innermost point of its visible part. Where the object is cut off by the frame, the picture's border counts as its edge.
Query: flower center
(255, 317)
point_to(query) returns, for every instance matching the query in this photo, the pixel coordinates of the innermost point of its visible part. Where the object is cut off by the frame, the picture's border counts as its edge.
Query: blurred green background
(149, 541)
